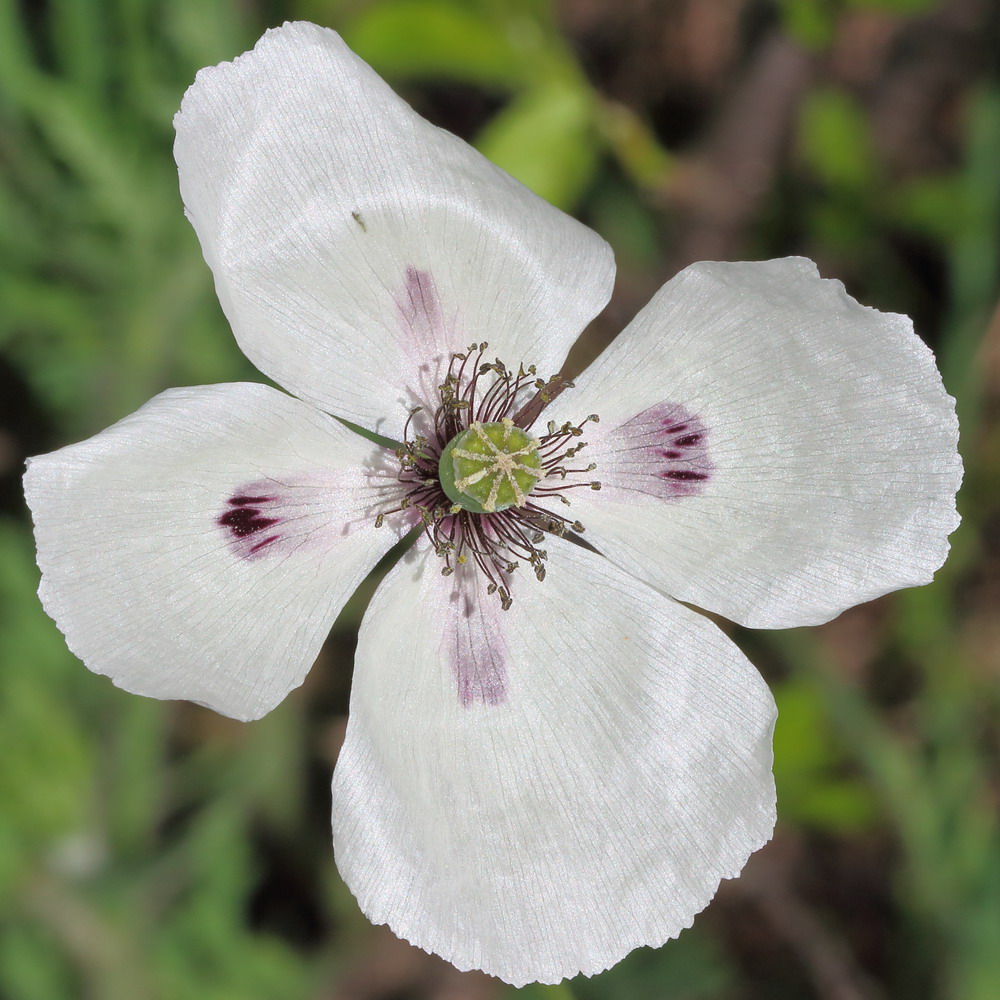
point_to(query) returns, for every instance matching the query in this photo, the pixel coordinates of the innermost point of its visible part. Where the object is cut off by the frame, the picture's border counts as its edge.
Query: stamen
(471, 480)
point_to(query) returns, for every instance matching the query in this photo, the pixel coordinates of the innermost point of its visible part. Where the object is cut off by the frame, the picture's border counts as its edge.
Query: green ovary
(490, 467)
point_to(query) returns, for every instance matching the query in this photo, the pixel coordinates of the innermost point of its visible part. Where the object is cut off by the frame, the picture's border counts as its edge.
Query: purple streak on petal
(476, 646)
(420, 311)
(430, 332)
(684, 475)
(661, 452)
(285, 514)
(263, 543)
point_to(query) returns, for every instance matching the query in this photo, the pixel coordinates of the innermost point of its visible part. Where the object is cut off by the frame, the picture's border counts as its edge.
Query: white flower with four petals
(548, 767)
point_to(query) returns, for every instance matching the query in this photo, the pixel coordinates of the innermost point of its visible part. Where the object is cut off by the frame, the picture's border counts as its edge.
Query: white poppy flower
(539, 775)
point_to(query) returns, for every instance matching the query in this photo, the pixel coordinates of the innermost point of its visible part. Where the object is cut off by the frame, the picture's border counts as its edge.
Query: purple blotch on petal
(662, 452)
(248, 515)
(246, 521)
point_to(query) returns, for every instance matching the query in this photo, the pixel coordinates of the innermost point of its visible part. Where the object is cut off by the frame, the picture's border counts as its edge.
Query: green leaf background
(156, 851)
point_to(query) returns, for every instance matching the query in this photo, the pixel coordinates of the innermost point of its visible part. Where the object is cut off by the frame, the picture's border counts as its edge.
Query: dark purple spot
(673, 428)
(687, 440)
(671, 454)
(245, 521)
(683, 475)
(242, 501)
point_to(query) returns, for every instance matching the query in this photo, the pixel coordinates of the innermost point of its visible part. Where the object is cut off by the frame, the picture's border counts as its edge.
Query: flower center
(490, 467)
(480, 480)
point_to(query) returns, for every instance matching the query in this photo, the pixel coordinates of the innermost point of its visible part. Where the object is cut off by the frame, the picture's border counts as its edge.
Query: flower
(542, 770)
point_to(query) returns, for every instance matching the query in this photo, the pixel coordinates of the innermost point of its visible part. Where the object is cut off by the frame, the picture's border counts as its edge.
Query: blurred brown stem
(717, 191)
(767, 882)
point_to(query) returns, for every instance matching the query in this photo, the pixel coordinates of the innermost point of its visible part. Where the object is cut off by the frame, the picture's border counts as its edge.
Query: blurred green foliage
(153, 851)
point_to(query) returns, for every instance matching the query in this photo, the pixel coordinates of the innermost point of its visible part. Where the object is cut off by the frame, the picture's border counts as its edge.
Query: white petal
(769, 449)
(202, 547)
(354, 244)
(537, 792)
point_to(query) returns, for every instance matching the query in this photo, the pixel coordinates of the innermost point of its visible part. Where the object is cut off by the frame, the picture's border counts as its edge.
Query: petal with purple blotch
(823, 426)
(202, 547)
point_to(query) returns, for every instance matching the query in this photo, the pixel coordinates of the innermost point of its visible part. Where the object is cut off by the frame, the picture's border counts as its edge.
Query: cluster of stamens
(476, 474)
